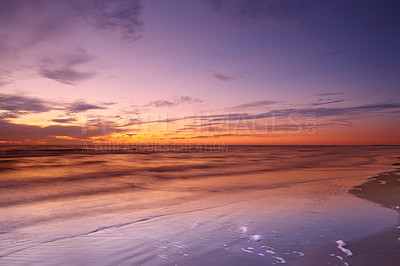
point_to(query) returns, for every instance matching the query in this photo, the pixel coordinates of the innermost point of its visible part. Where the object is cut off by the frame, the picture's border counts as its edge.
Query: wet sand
(382, 248)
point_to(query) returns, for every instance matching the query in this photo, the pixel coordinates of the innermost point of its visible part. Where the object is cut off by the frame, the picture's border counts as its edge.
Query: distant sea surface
(60, 197)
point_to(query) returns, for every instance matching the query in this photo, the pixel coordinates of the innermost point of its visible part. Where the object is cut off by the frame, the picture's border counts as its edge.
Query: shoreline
(380, 248)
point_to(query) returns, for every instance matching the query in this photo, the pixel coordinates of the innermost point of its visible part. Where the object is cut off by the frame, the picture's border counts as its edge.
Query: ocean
(183, 204)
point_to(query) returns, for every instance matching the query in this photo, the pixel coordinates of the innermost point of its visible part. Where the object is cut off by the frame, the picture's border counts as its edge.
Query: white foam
(267, 247)
(255, 238)
(162, 256)
(244, 229)
(179, 245)
(345, 263)
(260, 254)
(250, 248)
(382, 182)
(346, 251)
(298, 253)
(270, 252)
(341, 245)
(248, 251)
(339, 257)
(280, 260)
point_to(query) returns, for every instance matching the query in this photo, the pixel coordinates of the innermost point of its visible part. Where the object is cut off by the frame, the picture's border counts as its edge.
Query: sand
(382, 248)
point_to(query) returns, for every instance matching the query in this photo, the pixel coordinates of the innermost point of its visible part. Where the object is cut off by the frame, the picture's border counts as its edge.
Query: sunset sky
(241, 72)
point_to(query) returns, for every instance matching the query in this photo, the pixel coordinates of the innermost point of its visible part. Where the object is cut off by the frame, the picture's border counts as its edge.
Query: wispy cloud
(333, 53)
(13, 114)
(255, 104)
(18, 104)
(5, 77)
(291, 12)
(344, 115)
(82, 106)
(174, 102)
(330, 94)
(64, 120)
(225, 77)
(222, 77)
(65, 69)
(300, 73)
(54, 24)
(122, 16)
(328, 101)
(67, 76)
(20, 132)
(162, 103)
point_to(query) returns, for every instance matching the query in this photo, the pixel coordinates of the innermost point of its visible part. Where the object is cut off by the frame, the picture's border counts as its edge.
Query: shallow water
(65, 205)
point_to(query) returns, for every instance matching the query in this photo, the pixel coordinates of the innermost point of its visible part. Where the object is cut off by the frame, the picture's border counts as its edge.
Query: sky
(200, 71)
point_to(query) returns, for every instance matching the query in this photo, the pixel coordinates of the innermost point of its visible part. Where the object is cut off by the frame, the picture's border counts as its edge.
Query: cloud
(328, 101)
(30, 30)
(337, 115)
(355, 112)
(82, 106)
(50, 17)
(64, 69)
(32, 23)
(18, 104)
(5, 77)
(187, 99)
(122, 16)
(23, 103)
(20, 132)
(292, 12)
(330, 94)
(333, 113)
(67, 76)
(200, 137)
(108, 103)
(174, 102)
(222, 77)
(300, 73)
(333, 53)
(254, 104)
(162, 103)
(13, 114)
(64, 120)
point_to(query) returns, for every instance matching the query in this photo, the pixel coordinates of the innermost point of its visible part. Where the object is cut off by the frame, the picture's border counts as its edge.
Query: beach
(376, 249)
(248, 205)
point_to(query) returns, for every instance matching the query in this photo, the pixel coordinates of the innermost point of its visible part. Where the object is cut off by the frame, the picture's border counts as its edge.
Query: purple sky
(130, 70)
